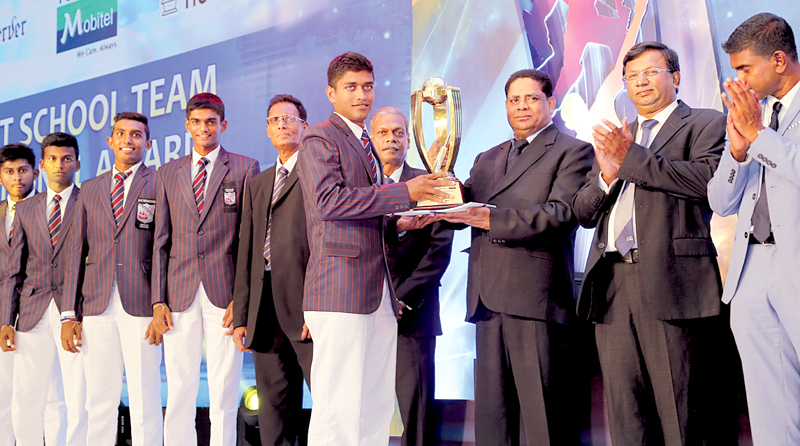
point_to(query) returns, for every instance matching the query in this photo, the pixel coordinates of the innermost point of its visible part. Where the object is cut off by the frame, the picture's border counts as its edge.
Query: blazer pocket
(694, 247)
(26, 290)
(341, 250)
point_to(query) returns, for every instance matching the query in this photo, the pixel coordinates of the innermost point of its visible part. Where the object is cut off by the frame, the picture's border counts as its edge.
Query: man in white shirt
(652, 281)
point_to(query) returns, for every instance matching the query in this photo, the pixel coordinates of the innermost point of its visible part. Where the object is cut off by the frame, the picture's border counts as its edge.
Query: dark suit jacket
(191, 247)
(673, 218)
(524, 265)
(417, 261)
(36, 268)
(288, 250)
(345, 217)
(97, 249)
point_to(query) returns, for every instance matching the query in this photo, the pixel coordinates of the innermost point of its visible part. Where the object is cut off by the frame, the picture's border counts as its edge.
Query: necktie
(389, 180)
(11, 231)
(623, 220)
(199, 184)
(118, 193)
(276, 192)
(54, 222)
(368, 147)
(515, 152)
(762, 226)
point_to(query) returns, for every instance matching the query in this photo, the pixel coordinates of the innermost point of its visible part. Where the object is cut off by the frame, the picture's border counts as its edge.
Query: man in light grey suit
(759, 179)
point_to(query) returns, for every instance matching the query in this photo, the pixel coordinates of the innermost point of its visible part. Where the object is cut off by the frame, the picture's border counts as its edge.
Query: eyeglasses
(287, 119)
(651, 73)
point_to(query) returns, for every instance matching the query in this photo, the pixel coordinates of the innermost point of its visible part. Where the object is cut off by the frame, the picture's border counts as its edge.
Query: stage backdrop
(476, 45)
(69, 65)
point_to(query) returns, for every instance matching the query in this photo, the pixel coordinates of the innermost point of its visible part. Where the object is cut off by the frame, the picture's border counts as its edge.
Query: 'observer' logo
(85, 21)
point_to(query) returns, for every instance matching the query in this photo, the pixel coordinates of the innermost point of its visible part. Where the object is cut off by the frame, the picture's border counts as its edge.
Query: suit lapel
(407, 174)
(213, 183)
(535, 150)
(185, 180)
(105, 189)
(41, 216)
(291, 179)
(66, 220)
(670, 128)
(791, 119)
(139, 180)
(356, 144)
(3, 209)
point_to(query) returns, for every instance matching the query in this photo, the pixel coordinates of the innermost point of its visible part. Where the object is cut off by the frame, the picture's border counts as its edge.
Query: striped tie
(372, 164)
(118, 194)
(276, 192)
(199, 183)
(54, 222)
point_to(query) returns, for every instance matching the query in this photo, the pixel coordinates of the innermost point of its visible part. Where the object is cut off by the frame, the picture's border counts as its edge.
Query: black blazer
(524, 266)
(678, 260)
(289, 254)
(417, 262)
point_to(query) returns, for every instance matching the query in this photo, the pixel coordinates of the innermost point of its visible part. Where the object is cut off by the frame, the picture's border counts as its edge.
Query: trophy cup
(446, 101)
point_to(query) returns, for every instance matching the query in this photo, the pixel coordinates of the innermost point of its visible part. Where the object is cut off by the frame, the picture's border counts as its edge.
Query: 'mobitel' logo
(85, 21)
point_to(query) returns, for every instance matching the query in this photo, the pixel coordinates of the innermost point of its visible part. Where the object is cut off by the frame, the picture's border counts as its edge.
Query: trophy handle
(419, 139)
(454, 106)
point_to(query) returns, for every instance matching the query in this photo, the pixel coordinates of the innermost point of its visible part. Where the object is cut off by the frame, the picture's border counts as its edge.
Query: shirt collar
(355, 128)
(211, 157)
(533, 136)
(10, 202)
(65, 194)
(132, 170)
(395, 176)
(786, 100)
(661, 116)
(289, 164)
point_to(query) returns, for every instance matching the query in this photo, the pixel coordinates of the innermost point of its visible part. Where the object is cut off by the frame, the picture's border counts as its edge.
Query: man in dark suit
(18, 172)
(652, 282)
(521, 272)
(31, 295)
(417, 261)
(107, 281)
(348, 303)
(268, 294)
(195, 244)
(759, 179)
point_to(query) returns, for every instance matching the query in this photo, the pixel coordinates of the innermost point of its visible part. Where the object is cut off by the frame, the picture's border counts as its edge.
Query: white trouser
(765, 320)
(41, 359)
(113, 342)
(183, 351)
(353, 372)
(55, 413)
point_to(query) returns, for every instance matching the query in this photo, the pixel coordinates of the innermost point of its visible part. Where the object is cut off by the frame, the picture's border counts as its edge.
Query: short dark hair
(538, 76)
(206, 101)
(17, 151)
(349, 61)
(60, 139)
(763, 34)
(133, 116)
(278, 98)
(673, 63)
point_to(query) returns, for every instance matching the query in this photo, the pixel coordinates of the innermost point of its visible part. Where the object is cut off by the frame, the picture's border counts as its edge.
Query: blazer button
(200, 232)
(53, 287)
(116, 240)
(601, 245)
(202, 256)
(54, 264)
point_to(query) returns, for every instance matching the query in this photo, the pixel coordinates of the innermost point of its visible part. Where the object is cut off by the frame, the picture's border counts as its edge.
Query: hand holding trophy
(441, 157)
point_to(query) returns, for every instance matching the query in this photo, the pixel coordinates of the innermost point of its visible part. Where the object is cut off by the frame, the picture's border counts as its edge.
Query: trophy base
(457, 191)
